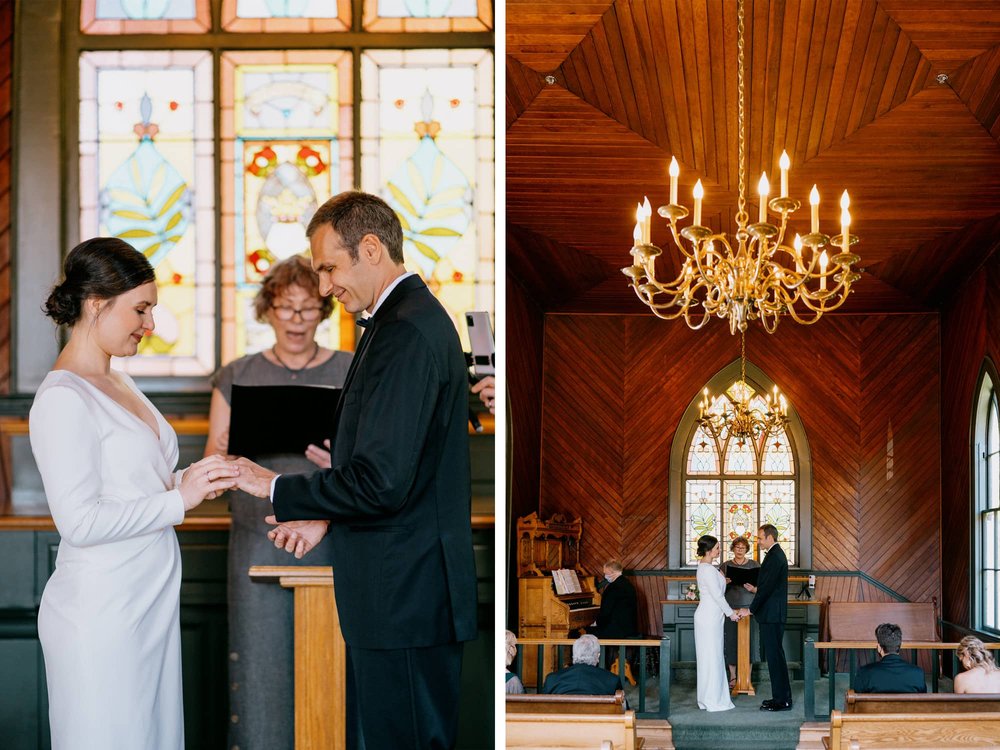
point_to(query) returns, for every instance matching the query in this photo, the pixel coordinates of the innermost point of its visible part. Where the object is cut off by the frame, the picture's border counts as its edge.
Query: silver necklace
(293, 371)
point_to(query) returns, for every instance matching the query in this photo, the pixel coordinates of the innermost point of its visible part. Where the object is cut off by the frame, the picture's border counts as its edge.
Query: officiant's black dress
(261, 681)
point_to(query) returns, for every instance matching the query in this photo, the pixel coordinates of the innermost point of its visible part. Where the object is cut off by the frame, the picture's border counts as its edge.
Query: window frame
(681, 443)
(987, 395)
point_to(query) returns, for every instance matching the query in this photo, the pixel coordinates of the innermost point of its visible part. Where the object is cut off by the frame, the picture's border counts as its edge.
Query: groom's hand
(254, 480)
(296, 537)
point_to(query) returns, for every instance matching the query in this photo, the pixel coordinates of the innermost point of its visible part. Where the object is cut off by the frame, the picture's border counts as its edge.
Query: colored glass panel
(703, 456)
(427, 148)
(428, 15)
(286, 125)
(778, 457)
(701, 513)
(263, 16)
(739, 505)
(144, 16)
(146, 176)
(740, 456)
(777, 507)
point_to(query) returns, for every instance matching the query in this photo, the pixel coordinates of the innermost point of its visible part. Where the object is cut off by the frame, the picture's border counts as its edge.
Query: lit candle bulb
(675, 171)
(784, 407)
(797, 244)
(845, 221)
(699, 193)
(763, 188)
(636, 235)
(823, 261)
(784, 162)
(647, 220)
(814, 203)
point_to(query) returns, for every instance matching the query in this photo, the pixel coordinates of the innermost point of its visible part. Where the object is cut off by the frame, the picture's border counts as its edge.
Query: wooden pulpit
(320, 655)
(743, 684)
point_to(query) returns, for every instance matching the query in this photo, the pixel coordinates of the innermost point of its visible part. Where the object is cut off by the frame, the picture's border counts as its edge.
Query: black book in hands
(739, 576)
(267, 420)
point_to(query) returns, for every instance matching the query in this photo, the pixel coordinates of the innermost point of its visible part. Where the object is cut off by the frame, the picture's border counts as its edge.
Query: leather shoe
(767, 702)
(777, 706)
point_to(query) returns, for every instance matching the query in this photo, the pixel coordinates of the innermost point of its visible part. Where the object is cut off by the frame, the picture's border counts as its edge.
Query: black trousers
(771, 635)
(407, 699)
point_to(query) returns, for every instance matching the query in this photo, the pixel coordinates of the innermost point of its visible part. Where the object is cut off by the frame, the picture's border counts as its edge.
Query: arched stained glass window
(986, 482)
(756, 482)
(224, 126)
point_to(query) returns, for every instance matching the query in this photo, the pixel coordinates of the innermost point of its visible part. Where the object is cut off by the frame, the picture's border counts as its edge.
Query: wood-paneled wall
(6, 167)
(970, 331)
(866, 388)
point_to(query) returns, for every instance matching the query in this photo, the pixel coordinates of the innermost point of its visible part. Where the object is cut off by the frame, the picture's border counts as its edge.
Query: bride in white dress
(713, 685)
(109, 618)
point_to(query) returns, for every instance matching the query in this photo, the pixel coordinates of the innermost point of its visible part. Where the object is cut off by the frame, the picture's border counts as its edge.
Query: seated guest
(981, 674)
(584, 677)
(891, 673)
(513, 685)
(617, 617)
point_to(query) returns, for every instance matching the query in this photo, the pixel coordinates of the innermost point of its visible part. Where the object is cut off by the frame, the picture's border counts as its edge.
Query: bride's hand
(735, 616)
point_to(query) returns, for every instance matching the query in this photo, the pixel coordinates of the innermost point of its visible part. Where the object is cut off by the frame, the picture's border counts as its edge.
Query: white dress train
(109, 620)
(713, 683)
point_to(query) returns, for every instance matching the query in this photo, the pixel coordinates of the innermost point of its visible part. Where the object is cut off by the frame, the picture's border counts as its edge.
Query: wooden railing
(811, 666)
(562, 646)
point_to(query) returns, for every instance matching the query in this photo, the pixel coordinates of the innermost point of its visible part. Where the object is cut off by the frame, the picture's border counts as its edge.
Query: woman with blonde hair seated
(981, 674)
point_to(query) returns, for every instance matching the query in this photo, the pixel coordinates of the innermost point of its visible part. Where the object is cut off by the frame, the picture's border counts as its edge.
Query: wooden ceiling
(848, 87)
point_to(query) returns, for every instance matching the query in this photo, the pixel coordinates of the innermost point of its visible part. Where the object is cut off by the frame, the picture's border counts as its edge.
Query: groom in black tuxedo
(397, 498)
(770, 608)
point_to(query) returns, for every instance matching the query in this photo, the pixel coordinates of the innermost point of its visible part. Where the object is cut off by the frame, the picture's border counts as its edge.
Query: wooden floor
(654, 734)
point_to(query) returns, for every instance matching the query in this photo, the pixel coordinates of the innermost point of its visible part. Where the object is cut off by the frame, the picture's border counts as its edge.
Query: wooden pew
(912, 730)
(921, 703)
(530, 703)
(535, 722)
(855, 621)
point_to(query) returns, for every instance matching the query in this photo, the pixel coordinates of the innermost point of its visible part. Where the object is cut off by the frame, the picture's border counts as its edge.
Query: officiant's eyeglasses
(307, 314)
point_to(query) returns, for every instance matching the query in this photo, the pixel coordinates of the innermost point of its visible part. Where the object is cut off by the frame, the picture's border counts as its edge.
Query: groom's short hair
(889, 637)
(587, 650)
(770, 530)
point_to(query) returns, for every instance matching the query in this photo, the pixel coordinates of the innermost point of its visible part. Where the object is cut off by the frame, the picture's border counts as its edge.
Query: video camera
(481, 361)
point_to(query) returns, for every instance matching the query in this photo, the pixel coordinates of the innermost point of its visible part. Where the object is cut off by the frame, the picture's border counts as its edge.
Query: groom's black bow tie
(363, 322)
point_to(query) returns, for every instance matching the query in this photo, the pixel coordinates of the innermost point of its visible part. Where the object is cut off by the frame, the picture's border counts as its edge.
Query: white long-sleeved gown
(109, 620)
(709, 617)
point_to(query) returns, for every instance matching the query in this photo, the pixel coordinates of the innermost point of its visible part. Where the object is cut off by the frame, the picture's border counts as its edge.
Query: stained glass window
(754, 483)
(144, 16)
(286, 15)
(286, 129)
(427, 148)
(146, 176)
(428, 15)
(986, 453)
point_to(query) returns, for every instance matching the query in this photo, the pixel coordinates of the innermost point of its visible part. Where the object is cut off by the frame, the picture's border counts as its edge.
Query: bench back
(961, 730)
(920, 703)
(566, 704)
(545, 731)
(856, 621)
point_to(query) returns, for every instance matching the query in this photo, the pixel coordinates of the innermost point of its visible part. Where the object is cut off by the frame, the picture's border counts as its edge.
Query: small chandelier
(718, 416)
(762, 278)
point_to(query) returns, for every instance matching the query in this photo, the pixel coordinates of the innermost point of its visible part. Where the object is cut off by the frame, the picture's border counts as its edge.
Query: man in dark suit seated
(891, 673)
(617, 618)
(584, 677)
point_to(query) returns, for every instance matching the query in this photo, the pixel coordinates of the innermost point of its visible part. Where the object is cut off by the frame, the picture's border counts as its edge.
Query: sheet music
(566, 581)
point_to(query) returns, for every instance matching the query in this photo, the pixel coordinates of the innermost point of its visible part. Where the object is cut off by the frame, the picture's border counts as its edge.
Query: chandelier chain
(741, 213)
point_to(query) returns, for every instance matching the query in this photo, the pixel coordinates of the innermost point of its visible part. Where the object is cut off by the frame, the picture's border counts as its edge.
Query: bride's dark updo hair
(706, 544)
(102, 267)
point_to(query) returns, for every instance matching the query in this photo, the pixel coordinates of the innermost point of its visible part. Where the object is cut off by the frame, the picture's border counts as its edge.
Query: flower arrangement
(691, 593)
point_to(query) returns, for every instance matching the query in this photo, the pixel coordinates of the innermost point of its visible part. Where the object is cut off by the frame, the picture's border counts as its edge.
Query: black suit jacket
(770, 603)
(582, 679)
(891, 674)
(617, 617)
(399, 492)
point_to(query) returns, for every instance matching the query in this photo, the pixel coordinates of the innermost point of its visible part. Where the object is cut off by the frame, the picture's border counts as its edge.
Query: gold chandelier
(740, 417)
(763, 278)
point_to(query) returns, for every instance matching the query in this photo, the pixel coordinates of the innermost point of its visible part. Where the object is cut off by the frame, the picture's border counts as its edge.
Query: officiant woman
(736, 597)
(260, 617)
